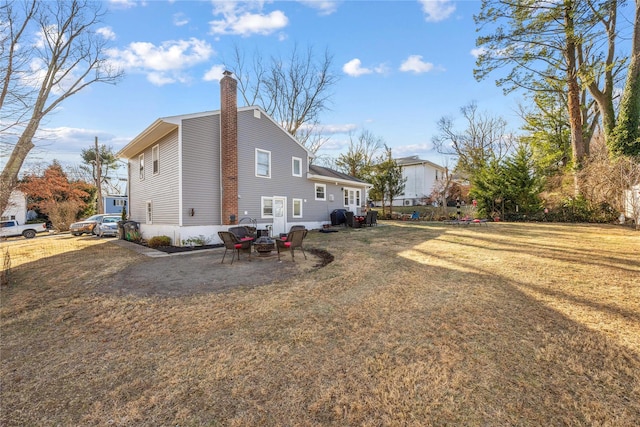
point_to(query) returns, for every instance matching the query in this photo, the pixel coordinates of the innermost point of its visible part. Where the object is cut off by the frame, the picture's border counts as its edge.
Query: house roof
(320, 173)
(162, 126)
(415, 160)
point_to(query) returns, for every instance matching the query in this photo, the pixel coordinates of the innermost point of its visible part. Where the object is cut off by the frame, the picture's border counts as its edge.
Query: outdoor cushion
(287, 244)
(238, 245)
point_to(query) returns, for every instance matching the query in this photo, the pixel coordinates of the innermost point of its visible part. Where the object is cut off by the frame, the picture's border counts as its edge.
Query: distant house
(421, 178)
(113, 203)
(632, 203)
(16, 208)
(195, 174)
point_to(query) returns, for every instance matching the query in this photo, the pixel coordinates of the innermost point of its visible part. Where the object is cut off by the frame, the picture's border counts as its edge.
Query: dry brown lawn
(413, 324)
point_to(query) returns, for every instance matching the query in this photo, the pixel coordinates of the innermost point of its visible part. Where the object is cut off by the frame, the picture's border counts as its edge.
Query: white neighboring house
(16, 208)
(421, 176)
(632, 203)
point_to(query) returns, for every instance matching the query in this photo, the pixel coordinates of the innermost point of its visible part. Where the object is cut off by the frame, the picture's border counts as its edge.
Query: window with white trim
(263, 163)
(155, 158)
(119, 202)
(141, 165)
(297, 208)
(321, 192)
(149, 212)
(266, 207)
(296, 166)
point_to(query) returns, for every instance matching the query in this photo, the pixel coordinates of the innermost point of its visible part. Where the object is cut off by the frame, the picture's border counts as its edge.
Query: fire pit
(264, 245)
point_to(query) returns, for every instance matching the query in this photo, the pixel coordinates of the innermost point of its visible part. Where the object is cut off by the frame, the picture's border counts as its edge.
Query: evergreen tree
(522, 184)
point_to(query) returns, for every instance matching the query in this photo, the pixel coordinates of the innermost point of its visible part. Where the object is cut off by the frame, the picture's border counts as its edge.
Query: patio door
(279, 216)
(352, 200)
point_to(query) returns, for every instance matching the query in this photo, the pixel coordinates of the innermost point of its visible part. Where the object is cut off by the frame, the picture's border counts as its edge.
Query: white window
(149, 212)
(321, 192)
(155, 158)
(267, 207)
(263, 163)
(358, 198)
(141, 164)
(296, 166)
(297, 208)
(119, 202)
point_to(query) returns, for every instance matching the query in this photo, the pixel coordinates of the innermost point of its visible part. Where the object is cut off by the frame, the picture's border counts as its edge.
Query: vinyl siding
(201, 170)
(262, 133)
(161, 189)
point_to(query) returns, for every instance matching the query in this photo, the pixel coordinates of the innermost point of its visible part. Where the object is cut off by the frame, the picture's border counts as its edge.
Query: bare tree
(610, 180)
(484, 138)
(66, 57)
(313, 136)
(294, 91)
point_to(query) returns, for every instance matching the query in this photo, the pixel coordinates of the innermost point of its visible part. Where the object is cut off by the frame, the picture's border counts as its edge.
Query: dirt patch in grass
(411, 324)
(202, 272)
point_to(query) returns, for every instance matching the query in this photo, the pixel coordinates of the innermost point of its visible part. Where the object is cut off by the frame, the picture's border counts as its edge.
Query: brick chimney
(229, 148)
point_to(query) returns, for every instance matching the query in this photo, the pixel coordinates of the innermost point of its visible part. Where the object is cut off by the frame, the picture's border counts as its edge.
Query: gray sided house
(196, 174)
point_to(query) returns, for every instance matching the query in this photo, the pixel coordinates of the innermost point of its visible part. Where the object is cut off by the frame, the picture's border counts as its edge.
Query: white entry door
(352, 200)
(279, 216)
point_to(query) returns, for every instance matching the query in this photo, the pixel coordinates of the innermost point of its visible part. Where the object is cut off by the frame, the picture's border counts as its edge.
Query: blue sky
(402, 65)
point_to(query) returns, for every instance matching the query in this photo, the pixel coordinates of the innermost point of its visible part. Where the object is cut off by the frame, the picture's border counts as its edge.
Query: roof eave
(322, 178)
(146, 138)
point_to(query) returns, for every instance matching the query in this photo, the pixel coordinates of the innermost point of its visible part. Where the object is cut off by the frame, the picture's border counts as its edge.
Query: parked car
(86, 225)
(108, 226)
(29, 231)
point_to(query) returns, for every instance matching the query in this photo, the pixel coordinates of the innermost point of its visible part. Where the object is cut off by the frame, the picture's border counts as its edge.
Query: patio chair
(292, 242)
(371, 219)
(283, 236)
(242, 232)
(232, 243)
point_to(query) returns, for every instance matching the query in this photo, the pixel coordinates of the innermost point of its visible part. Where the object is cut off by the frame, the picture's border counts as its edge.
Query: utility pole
(99, 179)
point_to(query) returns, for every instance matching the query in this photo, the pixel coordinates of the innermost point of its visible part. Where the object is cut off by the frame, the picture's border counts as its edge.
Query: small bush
(200, 240)
(157, 241)
(133, 236)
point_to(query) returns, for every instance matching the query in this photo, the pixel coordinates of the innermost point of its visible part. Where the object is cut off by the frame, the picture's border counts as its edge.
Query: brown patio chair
(371, 219)
(242, 232)
(292, 242)
(232, 243)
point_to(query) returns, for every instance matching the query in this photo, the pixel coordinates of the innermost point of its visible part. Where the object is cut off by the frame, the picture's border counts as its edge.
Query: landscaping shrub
(157, 241)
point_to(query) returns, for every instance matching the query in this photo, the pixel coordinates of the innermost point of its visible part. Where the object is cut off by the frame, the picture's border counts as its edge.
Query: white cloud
(354, 68)
(65, 144)
(107, 33)
(337, 129)
(415, 64)
(325, 7)
(437, 10)
(180, 19)
(214, 73)
(246, 18)
(163, 64)
(122, 4)
(476, 52)
(421, 150)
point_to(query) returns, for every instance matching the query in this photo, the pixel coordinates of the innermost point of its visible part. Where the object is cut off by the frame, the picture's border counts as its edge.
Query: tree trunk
(573, 97)
(9, 176)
